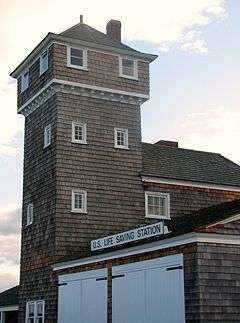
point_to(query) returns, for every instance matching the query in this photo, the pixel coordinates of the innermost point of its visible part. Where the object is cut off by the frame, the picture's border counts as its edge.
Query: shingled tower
(80, 92)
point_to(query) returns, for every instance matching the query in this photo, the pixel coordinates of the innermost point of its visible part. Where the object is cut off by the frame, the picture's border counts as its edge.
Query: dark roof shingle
(9, 297)
(189, 165)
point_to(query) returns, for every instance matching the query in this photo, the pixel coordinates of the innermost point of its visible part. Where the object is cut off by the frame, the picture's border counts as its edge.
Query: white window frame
(167, 207)
(84, 195)
(34, 303)
(24, 85)
(85, 54)
(30, 216)
(135, 68)
(42, 67)
(84, 132)
(125, 131)
(47, 129)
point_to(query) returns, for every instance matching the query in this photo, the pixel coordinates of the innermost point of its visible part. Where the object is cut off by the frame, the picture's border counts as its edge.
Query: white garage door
(82, 297)
(149, 291)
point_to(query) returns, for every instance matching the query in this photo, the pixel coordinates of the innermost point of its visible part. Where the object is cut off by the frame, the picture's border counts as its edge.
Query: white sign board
(129, 236)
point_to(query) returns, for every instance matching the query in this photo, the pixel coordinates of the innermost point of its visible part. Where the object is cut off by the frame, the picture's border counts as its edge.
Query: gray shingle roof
(189, 165)
(9, 296)
(86, 33)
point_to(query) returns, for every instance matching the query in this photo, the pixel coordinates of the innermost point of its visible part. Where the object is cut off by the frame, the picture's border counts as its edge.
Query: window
(47, 136)
(79, 201)
(43, 62)
(29, 214)
(79, 133)
(24, 81)
(128, 68)
(77, 58)
(35, 312)
(121, 138)
(157, 205)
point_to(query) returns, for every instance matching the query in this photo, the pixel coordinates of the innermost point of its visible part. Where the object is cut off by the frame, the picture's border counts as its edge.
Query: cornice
(86, 90)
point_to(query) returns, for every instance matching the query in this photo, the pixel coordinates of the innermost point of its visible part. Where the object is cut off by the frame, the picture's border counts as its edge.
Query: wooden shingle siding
(185, 200)
(218, 281)
(103, 70)
(36, 81)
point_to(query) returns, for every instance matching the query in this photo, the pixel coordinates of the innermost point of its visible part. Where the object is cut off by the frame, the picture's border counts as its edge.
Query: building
(113, 229)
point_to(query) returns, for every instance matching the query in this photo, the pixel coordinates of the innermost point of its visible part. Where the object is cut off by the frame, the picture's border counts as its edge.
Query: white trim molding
(84, 58)
(57, 85)
(184, 239)
(228, 220)
(135, 68)
(9, 308)
(161, 180)
(83, 126)
(83, 194)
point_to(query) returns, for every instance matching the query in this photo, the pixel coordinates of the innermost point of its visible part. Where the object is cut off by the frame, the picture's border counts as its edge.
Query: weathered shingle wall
(218, 281)
(185, 200)
(103, 70)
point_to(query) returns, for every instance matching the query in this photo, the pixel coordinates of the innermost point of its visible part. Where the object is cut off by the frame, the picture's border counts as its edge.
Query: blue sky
(195, 81)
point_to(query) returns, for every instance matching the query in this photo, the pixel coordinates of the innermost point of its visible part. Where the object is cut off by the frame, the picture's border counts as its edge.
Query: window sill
(83, 68)
(122, 148)
(79, 211)
(158, 217)
(46, 146)
(79, 142)
(134, 78)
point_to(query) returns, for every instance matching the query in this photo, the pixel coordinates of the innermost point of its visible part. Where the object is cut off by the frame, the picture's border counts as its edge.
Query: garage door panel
(83, 297)
(125, 307)
(94, 305)
(164, 296)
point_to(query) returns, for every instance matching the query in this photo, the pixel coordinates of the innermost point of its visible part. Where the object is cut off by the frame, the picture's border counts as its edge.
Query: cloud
(10, 218)
(217, 128)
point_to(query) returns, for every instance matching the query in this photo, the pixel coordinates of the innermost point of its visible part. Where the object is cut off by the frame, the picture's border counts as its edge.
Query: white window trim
(35, 310)
(84, 209)
(135, 68)
(84, 127)
(22, 90)
(126, 146)
(30, 205)
(46, 144)
(41, 70)
(165, 195)
(85, 54)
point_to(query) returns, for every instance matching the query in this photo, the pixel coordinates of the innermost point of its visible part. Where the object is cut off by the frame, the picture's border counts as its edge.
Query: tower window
(24, 81)
(77, 58)
(35, 312)
(121, 138)
(79, 201)
(47, 135)
(29, 214)
(128, 68)
(43, 62)
(79, 133)
(157, 205)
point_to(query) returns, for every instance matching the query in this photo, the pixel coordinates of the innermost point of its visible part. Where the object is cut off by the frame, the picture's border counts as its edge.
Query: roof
(84, 32)
(177, 226)
(81, 35)
(190, 165)
(9, 297)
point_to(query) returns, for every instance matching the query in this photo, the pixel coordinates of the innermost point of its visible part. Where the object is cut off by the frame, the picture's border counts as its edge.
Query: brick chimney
(167, 143)
(113, 30)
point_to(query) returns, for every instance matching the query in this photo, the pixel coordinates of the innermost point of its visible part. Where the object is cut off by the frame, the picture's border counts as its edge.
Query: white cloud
(216, 129)
(10, 217)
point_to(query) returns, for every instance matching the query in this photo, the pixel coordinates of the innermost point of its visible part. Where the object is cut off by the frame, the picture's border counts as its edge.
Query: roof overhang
(54, 38)
(8, 308)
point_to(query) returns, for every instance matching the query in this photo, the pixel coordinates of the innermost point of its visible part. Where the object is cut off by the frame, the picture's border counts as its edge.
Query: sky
(195, 81)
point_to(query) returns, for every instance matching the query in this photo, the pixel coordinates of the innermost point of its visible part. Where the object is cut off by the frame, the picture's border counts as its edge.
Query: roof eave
(58, 38)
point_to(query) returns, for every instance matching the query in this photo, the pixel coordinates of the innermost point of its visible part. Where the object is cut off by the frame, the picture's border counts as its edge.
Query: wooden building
(113, 229)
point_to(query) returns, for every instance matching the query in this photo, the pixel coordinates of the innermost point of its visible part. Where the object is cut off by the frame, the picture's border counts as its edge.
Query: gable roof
(189, 165)
(9, 297)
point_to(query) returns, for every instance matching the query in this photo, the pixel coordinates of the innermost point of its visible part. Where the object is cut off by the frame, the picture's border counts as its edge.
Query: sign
(129, 236)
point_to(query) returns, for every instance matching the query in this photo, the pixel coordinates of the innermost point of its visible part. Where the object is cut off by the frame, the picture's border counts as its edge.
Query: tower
(80, 92)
